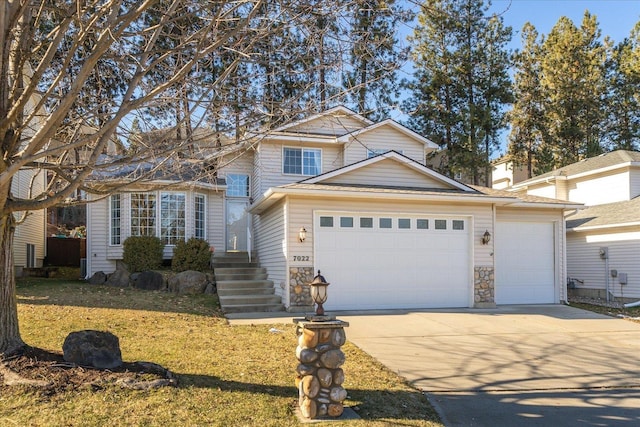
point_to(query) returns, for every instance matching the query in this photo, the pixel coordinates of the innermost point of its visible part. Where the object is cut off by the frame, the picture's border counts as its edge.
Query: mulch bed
(50, 372)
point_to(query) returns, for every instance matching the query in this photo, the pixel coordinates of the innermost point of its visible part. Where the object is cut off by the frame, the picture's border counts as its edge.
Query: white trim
(110, 218)
(206, 217)
(604, 227)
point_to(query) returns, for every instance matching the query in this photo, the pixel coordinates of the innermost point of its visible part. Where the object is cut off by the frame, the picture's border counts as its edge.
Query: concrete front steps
(242, 285)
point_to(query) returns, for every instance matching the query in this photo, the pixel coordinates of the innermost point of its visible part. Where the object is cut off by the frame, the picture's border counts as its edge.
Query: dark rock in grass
(189, 282)
(98, 278)
(92, 348)
(211, 289)
(148, 280)
(118, 279)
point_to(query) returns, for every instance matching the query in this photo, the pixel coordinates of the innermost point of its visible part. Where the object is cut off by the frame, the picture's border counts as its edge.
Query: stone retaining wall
(299, 289)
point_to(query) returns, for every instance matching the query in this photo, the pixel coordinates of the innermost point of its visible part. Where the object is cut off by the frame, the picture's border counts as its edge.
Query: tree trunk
(10, 340)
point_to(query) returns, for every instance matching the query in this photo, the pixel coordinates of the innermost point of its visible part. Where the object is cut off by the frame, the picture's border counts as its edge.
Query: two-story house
(603, 240)
(337, 193)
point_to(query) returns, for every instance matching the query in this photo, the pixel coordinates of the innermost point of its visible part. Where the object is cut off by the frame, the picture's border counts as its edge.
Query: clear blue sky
(616, 17)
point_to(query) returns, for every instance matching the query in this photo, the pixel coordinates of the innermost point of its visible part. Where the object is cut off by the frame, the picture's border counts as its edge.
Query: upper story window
(302, 161)
(237, 185)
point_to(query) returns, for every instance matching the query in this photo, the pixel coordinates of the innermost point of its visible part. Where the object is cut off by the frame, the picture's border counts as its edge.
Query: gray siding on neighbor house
(33, 230)
(585, 264)
(607, 187)
(99, 257)
(634, 182)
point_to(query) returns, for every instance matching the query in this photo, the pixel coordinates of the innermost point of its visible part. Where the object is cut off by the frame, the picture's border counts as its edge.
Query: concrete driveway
(512, 366)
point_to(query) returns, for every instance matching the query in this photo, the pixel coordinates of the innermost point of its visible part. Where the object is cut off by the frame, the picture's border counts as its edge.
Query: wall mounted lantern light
(302, 235)
(486, 238)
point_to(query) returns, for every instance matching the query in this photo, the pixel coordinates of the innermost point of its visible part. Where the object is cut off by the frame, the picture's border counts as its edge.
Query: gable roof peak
(337, 111)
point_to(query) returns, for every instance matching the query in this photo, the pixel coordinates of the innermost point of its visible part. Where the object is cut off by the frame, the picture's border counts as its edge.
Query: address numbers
(300, 258)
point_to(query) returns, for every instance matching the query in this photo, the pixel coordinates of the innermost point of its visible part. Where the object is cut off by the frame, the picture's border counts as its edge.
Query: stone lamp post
(319, 374)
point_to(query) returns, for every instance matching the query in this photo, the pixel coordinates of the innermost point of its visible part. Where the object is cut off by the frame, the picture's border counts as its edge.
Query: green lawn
(229, 375)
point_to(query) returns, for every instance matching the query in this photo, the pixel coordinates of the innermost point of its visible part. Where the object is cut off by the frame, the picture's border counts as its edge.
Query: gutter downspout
(632, 304)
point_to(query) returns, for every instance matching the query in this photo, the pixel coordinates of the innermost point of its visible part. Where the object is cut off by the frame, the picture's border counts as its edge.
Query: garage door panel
(525, 263)
(394, 268)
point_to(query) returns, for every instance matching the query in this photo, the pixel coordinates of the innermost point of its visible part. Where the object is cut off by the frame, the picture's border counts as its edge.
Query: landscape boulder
(148, 280)
(118, 279)
(98, 278)
(189, 282)
(97, 349)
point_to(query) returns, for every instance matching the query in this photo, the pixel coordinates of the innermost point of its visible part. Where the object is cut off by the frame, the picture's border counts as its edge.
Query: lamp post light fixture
(486, 238)
(302, 235)
(319, 295)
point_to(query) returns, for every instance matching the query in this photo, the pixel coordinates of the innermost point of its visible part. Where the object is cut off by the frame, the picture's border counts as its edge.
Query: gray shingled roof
(593, 163)
(610, 214)
(520, 195)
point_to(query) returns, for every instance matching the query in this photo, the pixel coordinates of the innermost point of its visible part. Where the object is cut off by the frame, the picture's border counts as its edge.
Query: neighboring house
(385, 230)
(603, 240)
(504, 173)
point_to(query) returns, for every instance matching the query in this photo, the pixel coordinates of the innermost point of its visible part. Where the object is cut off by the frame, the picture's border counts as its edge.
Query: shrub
(142, 253)
(193, 254)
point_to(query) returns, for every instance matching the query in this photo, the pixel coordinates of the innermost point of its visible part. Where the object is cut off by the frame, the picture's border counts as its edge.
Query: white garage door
(525, 268)
(393, 261)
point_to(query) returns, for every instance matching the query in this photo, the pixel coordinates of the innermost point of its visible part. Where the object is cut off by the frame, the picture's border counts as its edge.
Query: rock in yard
(92, 348)
(148, 280)
(119, 279)
(189, 282)
(98, 278)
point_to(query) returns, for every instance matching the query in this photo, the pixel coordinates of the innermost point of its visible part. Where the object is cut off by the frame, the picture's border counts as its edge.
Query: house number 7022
(300, 258)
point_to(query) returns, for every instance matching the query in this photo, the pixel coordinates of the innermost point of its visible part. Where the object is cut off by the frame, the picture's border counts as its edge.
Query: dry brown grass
(229, 376)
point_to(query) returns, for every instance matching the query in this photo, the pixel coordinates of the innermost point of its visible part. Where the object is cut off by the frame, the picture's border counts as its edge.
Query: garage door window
(366, 222)
(404, 223)
(422, 224)
(457, 224)
(385, 222)
(346, 222)
(441, 224)
(326, 221)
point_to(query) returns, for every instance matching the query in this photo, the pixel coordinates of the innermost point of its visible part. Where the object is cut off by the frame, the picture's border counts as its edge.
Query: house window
(143, 214)
(237, 185)
(172, 218)
(115, 219)
(199, 209)
(302, 161)
(422, 224)
(441, 224)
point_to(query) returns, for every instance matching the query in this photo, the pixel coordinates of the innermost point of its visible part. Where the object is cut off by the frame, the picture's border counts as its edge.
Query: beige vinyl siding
(584, 262)
(601, 189)
(215, 220)
(301, 214)
(388, 172)
(238, 163)
(33, 229)
(271, 246)
(270, 164)
(329, 125)
(543, 215)
(383, 138)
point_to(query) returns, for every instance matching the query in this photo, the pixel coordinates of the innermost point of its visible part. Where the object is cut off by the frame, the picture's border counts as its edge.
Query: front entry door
(237, 222)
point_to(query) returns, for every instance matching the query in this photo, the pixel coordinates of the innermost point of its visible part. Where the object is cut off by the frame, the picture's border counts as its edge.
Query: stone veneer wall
(484, 286)
(319, 380)
(299, 289)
